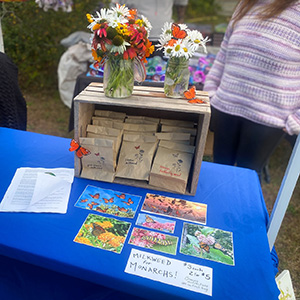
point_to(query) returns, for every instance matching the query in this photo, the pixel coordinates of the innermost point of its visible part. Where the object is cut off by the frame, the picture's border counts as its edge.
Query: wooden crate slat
(139, 103)
(98, 86)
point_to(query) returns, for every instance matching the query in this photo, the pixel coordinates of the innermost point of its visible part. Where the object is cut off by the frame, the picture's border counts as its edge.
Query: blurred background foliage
(32, 36)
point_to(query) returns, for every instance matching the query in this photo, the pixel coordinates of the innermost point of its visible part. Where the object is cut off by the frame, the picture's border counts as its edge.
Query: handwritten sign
(174, 272)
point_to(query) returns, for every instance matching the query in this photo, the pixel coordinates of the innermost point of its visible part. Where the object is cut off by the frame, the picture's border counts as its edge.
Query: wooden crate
(145, 101)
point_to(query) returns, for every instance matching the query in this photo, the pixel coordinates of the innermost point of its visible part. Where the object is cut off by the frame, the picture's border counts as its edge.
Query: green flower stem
(177, 77)
(118, 77)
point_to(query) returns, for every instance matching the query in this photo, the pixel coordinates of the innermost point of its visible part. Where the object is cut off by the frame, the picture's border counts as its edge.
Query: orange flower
(96, 27)
(106, 236)
(132, 14)
(83, 240)
(130, 52)
(105, 224)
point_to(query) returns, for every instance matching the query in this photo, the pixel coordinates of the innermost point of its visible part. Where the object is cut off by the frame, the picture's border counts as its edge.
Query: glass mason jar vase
(118, 79)
(177, 77)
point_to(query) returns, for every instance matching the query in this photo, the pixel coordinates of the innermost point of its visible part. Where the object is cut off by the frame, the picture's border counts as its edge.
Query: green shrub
(32, 39)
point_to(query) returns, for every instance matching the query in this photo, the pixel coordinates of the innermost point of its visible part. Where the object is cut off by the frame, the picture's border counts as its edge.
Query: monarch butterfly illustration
(94, 203)
(121, 196)
(90, 206)
(96, 196)
(128, 202)
(110, 200)
(157, 241)
(97, 229)
(122, 209)
(101, 210)
(149, 219)
(80, 151)
(83, 200)
(190, 95)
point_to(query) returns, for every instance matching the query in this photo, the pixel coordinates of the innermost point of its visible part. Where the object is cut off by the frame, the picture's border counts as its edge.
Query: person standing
(254, 83)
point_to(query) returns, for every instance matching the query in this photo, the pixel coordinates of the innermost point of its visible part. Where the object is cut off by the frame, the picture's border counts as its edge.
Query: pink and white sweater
(256, 74)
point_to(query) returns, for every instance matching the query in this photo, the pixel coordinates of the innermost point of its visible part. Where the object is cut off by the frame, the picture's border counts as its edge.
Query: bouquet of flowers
(120, 38)
(179, 44)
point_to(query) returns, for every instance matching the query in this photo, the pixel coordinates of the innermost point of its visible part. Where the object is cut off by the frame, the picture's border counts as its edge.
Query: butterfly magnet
(80, 151)
(190, 95)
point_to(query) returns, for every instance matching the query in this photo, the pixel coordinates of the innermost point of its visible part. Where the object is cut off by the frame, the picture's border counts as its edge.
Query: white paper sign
(174, 272)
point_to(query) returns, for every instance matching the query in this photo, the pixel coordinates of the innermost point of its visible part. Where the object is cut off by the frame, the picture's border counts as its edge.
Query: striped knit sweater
(256, 74)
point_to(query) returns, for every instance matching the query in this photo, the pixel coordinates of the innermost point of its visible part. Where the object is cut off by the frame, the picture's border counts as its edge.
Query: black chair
(13, 110)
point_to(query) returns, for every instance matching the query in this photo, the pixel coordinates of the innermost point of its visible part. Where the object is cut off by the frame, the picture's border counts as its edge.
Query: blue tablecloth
(235, 203)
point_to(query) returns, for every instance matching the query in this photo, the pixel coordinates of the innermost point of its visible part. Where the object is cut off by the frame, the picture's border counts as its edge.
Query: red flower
(102, 30)
(130, 52)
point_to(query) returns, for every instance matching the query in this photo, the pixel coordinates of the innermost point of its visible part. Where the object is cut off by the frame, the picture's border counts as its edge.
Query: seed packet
(171, 166)
(136, 156)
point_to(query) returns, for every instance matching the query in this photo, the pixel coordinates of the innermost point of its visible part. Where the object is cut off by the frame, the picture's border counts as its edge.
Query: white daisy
(103, 15)
(146, 23)
(187, 49)
(121, 10)
(120, 49)
(163, 40)
(167, 29)
(168, 51)
(178, 49)
(114, 20)
(196, 38)
(183, 26)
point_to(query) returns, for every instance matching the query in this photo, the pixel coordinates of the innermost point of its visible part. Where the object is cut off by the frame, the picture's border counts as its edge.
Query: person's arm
(292, 125)
(180, 13)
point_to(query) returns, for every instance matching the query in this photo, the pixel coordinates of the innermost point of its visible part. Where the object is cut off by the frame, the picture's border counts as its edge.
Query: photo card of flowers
(154, 222)
(208, 243)
(176, 208)
(154, 240)
(109, 202)
(103, 232)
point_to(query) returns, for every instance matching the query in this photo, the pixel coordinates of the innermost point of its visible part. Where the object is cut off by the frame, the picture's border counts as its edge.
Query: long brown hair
(269, 10)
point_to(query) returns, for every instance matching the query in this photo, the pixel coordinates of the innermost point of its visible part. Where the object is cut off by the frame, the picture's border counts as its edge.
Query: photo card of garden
(103, 232)
(208, 243)
(154, 240)
(175, 208)
(109, 202)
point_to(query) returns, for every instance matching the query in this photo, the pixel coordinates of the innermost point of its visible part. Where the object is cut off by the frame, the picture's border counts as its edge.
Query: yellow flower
(122, 29)
(97, 58)
(90, 18)
(139, 22)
